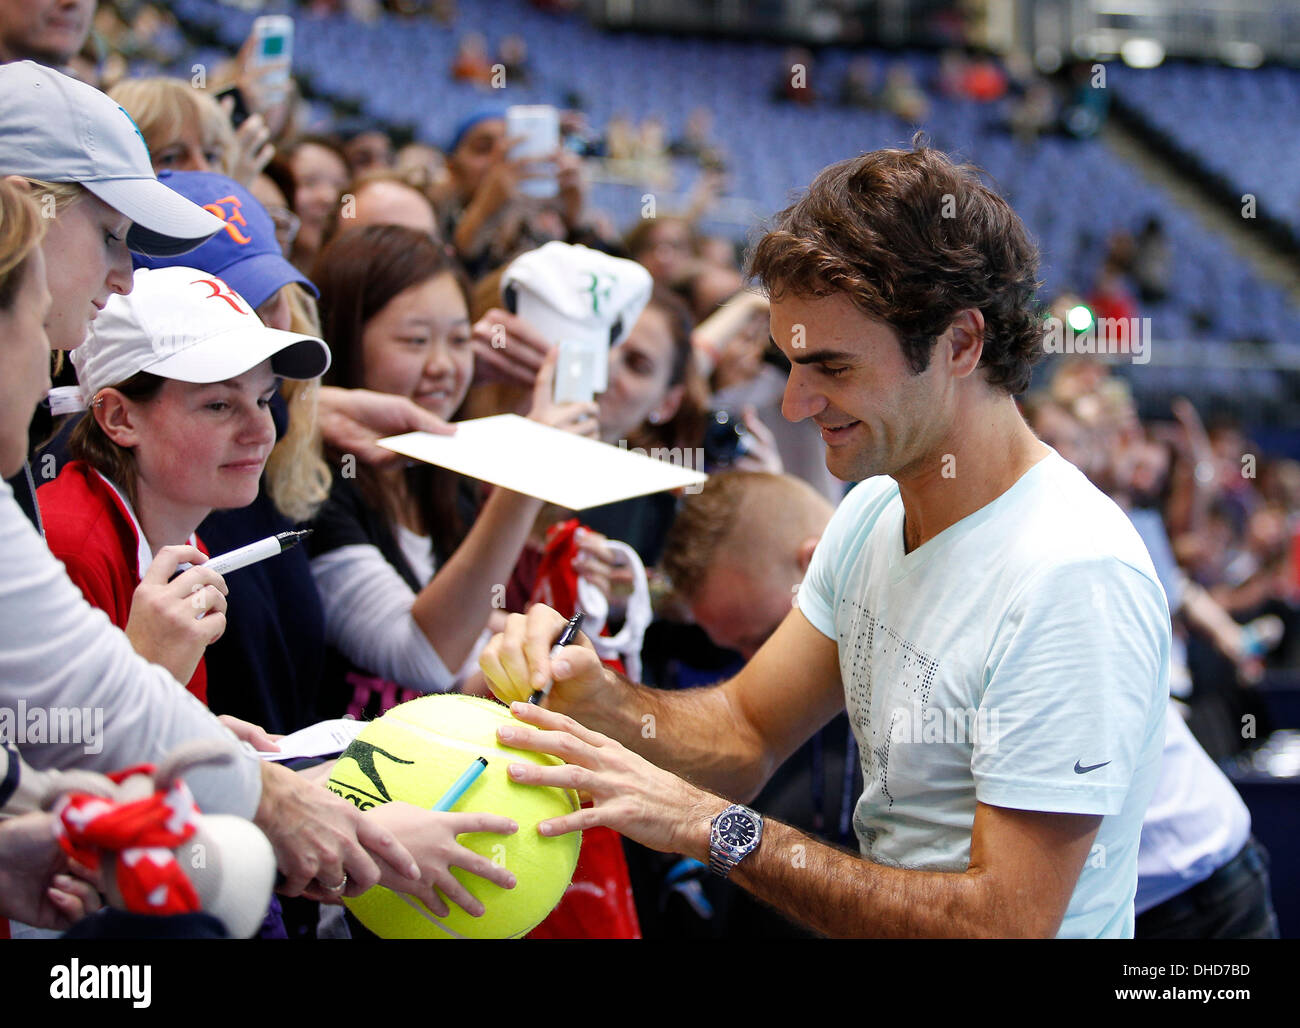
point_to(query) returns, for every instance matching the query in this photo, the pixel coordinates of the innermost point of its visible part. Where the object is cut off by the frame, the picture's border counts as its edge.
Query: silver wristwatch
(735, 834)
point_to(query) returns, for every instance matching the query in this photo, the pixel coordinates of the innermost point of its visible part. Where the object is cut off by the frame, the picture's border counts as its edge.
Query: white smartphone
(538, 126)
(273, 51)
(575, 373)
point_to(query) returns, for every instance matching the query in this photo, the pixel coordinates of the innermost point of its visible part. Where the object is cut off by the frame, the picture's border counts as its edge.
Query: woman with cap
(266, 667)
(179, 377)
(85, 162)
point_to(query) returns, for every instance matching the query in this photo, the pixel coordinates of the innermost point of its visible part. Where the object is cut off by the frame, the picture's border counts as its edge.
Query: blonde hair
(742, 516)
(63, 194)
(162, 108)
(297, 477)
(21, 231)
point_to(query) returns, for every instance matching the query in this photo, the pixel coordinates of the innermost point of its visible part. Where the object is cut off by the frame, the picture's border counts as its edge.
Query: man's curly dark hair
(913, 238)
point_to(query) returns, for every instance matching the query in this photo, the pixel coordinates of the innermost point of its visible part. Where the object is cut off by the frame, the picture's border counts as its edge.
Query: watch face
(736, 829)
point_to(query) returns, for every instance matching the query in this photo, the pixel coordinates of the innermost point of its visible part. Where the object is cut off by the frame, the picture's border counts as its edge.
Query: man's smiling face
(849, 375)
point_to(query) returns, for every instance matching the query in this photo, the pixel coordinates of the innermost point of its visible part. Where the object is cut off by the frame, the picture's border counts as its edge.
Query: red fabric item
(556, 584)
(88, 528)
(143, 834)
(598, 903)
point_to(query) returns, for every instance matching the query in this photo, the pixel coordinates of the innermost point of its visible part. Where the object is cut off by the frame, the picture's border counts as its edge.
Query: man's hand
(507, 349)
(630, 795)
(351, 420)
(39, 884)
(324, 847)
(518, 660)
(431, 836)
(164, 625)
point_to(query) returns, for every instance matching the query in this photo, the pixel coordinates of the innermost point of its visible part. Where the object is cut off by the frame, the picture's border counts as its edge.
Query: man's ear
(805, 552)
(117, 417)
(965, 341)
(668, 406)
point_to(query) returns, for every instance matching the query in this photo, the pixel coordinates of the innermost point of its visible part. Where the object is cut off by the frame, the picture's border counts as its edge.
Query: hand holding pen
(543, 652)
(567, 636)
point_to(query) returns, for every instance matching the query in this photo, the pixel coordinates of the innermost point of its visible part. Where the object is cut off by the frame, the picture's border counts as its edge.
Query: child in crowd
(179, 377)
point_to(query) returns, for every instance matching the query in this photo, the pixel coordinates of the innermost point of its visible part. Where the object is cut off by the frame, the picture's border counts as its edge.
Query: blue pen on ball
(452, 796)
(569, 633)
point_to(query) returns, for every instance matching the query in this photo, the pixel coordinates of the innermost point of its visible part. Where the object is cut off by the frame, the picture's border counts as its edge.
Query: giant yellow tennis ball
(414, 753)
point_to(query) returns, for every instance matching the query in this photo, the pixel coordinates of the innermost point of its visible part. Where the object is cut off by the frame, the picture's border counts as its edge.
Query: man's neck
(986, 452)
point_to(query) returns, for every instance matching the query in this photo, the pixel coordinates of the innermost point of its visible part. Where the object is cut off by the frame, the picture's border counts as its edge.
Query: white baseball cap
(184, 324)
(61, 130)
(573, 293)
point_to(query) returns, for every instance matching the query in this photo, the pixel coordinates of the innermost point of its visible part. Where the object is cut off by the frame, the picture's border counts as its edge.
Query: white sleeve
(368, 618)
(112, 708)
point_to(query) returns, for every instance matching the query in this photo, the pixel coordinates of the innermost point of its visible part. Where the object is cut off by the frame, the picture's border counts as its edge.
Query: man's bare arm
(1024, 866)
(728, 738)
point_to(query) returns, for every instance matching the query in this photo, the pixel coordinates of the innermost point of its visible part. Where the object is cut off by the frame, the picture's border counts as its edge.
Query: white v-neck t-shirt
(1020, 658)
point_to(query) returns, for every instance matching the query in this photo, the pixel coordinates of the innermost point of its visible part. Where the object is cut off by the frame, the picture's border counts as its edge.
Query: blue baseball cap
(246, 253)
(466, 123)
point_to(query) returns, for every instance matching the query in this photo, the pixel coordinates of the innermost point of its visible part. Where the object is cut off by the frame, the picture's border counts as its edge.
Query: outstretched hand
(629, 794)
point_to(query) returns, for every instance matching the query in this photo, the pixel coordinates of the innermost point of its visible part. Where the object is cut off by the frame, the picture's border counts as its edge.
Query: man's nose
(801, 399)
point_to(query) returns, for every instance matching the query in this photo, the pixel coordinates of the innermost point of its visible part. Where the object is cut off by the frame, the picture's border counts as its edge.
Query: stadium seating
(1072, 194)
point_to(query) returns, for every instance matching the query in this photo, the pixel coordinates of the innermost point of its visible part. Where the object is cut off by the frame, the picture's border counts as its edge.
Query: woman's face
(25, 354)
(319, 176)
(189, 151)
(667, 251)
(86, 260)
(640, 368)
(275, 311)
(419, 346)
(202, 447)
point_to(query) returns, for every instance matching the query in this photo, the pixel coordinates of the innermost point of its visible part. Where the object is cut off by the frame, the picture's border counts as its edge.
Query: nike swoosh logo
(1081, 770)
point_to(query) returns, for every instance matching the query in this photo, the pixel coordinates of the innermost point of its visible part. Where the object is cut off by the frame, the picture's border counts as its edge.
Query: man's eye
(217, 405)
(833, 372)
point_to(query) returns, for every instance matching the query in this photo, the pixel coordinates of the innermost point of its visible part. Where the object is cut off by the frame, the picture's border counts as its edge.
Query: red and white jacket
(90, 526)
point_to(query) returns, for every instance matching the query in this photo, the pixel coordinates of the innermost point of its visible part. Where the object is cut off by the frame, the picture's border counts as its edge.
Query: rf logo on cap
(221, 291)
(233, 218)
